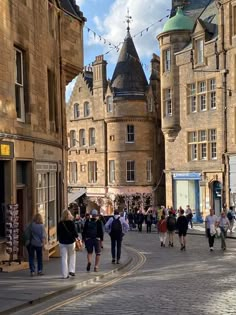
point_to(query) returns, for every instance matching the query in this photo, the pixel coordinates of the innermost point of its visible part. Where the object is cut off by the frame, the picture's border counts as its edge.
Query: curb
(66, 289)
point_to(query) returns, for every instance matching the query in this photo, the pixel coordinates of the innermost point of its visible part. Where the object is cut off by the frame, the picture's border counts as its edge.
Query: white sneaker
(211, 249)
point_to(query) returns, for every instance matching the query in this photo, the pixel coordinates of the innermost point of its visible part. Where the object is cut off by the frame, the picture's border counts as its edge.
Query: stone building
(41, 44)
(198, 104)
(115, 139)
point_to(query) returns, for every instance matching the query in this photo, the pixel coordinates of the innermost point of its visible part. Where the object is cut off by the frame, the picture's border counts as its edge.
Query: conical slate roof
(129, 80)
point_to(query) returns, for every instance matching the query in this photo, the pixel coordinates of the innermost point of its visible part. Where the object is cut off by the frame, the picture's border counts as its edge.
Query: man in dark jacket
(93, 236)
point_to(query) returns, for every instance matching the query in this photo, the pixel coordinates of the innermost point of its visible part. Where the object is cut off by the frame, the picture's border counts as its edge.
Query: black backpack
(229, 216)
(91, 229)
(116, 228)
(171, 223)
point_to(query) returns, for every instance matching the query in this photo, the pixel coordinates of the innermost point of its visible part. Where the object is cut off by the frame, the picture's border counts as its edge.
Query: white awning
(75, 194)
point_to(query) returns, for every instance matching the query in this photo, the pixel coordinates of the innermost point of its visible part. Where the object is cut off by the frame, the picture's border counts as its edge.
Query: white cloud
(80, 2)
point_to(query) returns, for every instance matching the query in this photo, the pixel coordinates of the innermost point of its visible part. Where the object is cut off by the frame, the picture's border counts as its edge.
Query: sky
(106, 26)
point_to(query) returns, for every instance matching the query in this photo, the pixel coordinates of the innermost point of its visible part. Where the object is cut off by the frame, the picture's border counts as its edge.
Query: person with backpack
(148, 221)
(230, 217)
(116, 227)
(93, 236)
(171, 226)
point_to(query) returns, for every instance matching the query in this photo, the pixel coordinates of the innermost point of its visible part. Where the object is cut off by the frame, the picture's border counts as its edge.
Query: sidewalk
(18, 289)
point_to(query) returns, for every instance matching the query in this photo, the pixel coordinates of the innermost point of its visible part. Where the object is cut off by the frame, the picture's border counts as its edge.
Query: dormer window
(199, 51)
(109, 102)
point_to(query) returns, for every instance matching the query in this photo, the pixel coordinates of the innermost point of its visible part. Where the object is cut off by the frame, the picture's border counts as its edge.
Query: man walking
(93, 236)
(210, 226)
(116, 227)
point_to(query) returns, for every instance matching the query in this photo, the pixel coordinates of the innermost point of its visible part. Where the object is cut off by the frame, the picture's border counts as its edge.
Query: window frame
(86, 109)
(167, 60)
(19, 86)
(167, 100)
(76, 110)
(92, 172)
(130, 134)
(130, 171)
(109, 104)
(92, 137)
(72, 138)
(82, 137)
(112, 171)
(199, 51)
(149, 170)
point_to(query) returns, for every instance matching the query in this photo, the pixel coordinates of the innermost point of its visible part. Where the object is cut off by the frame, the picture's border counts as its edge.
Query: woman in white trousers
(67, 234)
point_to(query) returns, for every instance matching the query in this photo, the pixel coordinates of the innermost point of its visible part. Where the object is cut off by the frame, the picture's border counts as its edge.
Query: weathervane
(128, 20)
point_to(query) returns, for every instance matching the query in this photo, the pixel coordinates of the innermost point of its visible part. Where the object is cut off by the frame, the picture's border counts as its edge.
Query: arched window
(76, 110)
(82, 141)
(86, 109)
(109, 104)
(72, 138)
(92, 136)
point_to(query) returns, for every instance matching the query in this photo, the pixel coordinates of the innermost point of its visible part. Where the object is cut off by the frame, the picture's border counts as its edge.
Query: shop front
(186, 191)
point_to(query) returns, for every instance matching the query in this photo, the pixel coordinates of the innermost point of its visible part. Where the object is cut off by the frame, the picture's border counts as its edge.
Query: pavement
(18, 289)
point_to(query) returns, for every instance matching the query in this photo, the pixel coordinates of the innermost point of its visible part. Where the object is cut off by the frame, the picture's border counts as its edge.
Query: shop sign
(187, 176)
(6, 149)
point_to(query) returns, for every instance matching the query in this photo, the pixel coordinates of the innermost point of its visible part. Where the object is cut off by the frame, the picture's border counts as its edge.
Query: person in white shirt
(224, 225)
(210, 226)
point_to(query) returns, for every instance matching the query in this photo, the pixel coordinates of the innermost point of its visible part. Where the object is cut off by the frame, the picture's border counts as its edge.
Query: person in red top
(162, 229)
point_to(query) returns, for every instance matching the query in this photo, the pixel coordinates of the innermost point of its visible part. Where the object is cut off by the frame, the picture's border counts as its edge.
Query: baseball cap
(94, 213)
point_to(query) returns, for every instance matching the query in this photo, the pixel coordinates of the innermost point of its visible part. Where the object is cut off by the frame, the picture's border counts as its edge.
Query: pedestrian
(148, 221)
(103, 221)
(140, 219)
(116, 227)
(210, 226)
(230, 216)
(131, 220)
(224, 224)
(93, 237)
(162, 228)
(189, 215)
(182, 227)
(36, 243)
(67, 235)
(171, 226)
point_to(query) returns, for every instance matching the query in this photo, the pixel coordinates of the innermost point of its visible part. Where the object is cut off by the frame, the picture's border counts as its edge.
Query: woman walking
(224, 225)
(67, 236)
(171, 226)
(182, 227)
(210, 225)
(162, 228)
(37, 241)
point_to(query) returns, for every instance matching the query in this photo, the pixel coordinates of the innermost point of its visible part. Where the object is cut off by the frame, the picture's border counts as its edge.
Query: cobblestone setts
(195, 282)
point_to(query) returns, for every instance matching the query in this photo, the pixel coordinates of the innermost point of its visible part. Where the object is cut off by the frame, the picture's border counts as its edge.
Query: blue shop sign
(187, 176)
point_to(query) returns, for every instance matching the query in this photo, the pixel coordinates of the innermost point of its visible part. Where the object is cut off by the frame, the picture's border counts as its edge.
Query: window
(234, 20)
(212, 93)
(200, 51)
(82, 140)
(86, 109)
(19, 85)
(130, 133)
(212, 140)
(202, 95)
(149, 170)
(167, 62)
(73, 172)
(167, 102)
(76, 111)
(130, 171)
(202, 145)
(72, 138)
(150, 104)
(91, 136)
(109, 104)
(92, 172)
(111, 171)
(52, 100)
(192, 98)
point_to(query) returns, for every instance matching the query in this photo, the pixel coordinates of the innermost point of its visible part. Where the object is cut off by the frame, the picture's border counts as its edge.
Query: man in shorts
(93, 236)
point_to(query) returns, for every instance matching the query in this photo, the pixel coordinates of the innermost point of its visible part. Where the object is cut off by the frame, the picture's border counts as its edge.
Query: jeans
(223, 234)
(211, 238)
(39, 254)
(116, 247)
(149, 227)
(68, 257)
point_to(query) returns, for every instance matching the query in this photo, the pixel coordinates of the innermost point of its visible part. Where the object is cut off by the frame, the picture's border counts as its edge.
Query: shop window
(19, 85)
(111, 171)
(130, 171)
(130, 133)
(92, 172)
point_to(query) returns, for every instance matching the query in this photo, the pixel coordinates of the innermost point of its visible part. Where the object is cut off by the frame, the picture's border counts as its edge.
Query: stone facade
(200, 127)
(41, 51)
(110, 117)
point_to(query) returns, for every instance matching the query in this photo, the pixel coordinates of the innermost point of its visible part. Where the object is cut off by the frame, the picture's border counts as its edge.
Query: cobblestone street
(193, 282)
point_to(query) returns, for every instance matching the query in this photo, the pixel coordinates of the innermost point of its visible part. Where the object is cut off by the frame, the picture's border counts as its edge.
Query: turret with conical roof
(129, 80)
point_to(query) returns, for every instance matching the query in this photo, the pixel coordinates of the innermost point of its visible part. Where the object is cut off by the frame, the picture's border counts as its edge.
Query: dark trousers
(140, 225)
(149, 227)
(116, 247)
(211, 238)
(39, 254)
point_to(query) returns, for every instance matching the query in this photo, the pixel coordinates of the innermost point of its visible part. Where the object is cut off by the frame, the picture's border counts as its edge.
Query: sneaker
(88, 266)
(96, 268)
(117, 262)
(66, 277)
(40, 273)
(211, 249)
(72, 274)
(113, 261)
